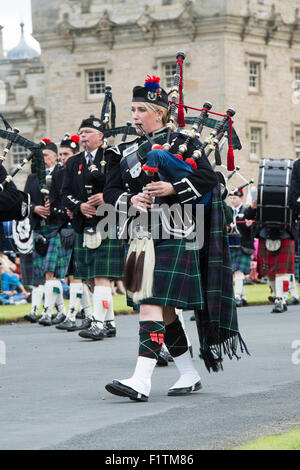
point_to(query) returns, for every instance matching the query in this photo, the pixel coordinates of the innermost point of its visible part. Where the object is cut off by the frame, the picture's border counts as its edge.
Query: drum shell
(273, 188)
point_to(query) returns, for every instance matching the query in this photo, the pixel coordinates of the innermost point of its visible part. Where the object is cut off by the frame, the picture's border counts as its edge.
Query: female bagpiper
(177, 280)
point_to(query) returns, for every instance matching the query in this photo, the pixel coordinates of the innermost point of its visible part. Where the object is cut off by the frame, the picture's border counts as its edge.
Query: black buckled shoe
(109, 330)
(239, 302)
(60, 317)
(66, 325)
(45, 320)
(176, 392)
(117, 388)
(279, 306)
(32, 317)
(94, 332)
(293, 301)
(84, 325)
(245, 303)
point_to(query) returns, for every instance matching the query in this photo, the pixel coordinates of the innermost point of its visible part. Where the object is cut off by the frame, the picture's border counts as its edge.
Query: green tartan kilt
(240, 261)
(56, 260)
(177, 277)
(105, 261)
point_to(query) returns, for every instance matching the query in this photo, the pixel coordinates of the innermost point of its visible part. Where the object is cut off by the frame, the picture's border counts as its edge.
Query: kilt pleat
(240, 261)
(27, 271)
(177, 277)
(283, 261)
(56, 260)
(106, 261)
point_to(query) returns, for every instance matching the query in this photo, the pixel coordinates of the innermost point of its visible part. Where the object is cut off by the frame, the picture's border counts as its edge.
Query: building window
(297, 77)
(254, 76)
(255, 143)
(95, 83)
(297, 144)
(18, 154)
(169, 70)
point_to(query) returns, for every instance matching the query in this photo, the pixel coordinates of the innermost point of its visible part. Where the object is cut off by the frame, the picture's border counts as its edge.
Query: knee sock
(51, 294)
(86, 301)
(151, 335)
(281, 286)
(110, 315)
(293, 289)
(101, 298)
(175, 339)
(238, 283)
(75, 298)
(181, 319)
(60, 303)
(36, 298)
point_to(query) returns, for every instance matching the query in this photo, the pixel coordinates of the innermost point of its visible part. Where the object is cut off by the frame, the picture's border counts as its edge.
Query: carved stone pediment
(65, 28)
(188, 19)
(147, 24)
(105, 29)
(105, 23)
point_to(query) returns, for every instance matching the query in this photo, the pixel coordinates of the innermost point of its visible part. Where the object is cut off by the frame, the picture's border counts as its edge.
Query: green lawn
(286, 441)
(15, 312)
(256, 294)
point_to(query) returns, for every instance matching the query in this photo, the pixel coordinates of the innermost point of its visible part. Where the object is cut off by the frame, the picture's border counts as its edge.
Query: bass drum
(273, 190)
(18, 236)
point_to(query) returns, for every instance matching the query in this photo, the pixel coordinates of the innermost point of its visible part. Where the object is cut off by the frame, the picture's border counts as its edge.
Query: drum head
(22, 236)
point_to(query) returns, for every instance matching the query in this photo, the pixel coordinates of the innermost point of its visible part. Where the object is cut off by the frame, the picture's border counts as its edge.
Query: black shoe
(239, 302)
(32, 317)
(163, 358)
(245, 303)
(279, 307)
(80, 315)
(109, 330)
(60, 317)
(293, 301)
(94, 332)
(66, 325)
(117, 388)
(84, 325)
(45, 320)
(176, 392)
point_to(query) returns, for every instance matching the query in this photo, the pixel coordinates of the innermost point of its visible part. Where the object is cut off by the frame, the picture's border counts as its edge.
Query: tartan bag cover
(217, 324)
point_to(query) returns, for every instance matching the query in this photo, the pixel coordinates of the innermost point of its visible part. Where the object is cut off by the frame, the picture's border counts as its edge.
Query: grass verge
(15, 313)
(286, 441)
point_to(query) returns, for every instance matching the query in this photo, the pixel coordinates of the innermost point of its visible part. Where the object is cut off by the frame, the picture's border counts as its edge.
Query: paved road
(52, 390)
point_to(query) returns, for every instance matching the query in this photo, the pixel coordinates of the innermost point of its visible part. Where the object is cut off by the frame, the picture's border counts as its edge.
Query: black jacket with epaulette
(74, 193)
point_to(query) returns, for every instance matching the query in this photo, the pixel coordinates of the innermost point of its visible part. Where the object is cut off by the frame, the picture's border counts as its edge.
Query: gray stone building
(239, 53)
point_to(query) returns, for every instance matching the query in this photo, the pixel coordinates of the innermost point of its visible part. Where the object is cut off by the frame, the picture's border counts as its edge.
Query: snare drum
(18, 236)
(273, 188)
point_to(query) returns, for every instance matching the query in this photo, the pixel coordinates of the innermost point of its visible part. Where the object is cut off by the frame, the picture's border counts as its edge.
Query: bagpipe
(36, 157)
(156, 154)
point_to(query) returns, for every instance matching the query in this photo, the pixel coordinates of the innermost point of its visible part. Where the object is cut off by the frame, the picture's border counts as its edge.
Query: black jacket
(57, 208)
(74, 193)
(12, 201)
(32, 187)
(116, 186)
(247, 238)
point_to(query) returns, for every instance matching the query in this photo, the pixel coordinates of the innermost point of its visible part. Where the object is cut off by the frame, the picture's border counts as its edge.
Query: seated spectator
(12, 291)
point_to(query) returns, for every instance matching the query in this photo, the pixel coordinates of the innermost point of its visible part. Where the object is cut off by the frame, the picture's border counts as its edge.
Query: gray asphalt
(52, 391)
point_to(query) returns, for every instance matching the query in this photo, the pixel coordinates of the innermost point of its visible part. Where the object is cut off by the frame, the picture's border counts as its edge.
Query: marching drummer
(241, 246)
